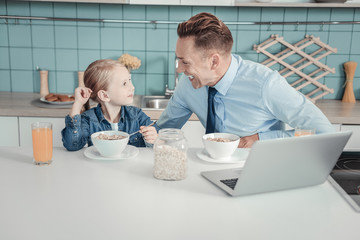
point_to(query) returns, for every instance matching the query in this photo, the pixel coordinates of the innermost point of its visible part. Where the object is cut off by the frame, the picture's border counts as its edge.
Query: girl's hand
(149, 133)
(82, 95)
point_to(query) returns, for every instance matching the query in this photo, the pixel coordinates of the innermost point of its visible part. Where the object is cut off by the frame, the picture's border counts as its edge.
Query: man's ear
(214, 61)
(103, 96)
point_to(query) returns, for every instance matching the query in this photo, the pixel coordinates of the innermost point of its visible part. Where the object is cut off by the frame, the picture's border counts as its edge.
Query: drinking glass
(300, 131)
(42, 139)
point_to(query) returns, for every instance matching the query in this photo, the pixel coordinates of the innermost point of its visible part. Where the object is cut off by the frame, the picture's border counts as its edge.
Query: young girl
(108, 83)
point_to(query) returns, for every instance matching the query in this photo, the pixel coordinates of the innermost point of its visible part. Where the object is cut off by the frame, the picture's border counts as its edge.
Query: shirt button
(135, 139)
(75, 131)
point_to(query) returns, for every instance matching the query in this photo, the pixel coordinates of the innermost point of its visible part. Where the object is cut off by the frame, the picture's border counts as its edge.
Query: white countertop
(78, 198)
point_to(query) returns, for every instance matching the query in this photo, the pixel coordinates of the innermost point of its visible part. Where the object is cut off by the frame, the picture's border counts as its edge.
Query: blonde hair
(97, 77)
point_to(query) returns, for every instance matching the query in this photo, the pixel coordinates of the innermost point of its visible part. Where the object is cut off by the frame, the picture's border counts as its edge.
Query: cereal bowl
(110, 143)
(220, 145)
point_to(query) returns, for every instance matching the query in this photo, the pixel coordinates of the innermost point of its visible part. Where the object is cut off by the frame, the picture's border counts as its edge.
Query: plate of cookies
(58, 99)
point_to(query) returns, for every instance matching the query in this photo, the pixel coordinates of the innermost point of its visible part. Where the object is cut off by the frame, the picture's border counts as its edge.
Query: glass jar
(170, 155)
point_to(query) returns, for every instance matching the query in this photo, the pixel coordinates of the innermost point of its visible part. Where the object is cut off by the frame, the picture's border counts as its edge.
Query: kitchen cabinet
(25, 129)
(354, 142)
(9, 131)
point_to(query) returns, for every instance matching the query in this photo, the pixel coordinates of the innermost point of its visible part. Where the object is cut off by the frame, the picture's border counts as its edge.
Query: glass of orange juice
(42, 139)
(300, 131)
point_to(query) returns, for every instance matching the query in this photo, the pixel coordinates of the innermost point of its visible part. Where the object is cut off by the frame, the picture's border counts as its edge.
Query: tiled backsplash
(65, 47)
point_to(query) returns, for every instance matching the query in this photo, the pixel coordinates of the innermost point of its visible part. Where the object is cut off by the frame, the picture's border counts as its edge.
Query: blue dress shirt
(78, 130)
(251, 99)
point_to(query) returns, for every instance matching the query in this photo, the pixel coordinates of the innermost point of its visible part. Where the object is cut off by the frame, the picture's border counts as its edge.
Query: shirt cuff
(73, 122)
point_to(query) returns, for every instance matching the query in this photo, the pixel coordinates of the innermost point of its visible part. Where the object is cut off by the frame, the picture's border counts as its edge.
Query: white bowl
(110, 148)
(221, 150)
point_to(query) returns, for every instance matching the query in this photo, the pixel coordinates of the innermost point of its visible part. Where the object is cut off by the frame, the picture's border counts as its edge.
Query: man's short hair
(208, 31)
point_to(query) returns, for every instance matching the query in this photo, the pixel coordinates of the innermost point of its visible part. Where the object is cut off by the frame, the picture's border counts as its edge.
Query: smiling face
(197, 64)
(120, 90)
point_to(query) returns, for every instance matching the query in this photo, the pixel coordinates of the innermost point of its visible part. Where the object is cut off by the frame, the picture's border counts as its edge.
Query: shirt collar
(101, 117)
(225, 82)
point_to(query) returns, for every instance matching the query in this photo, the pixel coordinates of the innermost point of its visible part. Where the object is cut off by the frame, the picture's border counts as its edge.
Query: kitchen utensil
(44, 87)
(349, 68)
(110, 148)
(139, 130)
(128, 152)
(220, 146)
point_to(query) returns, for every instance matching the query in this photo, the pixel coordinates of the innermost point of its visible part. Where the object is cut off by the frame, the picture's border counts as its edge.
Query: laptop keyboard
(230, 182)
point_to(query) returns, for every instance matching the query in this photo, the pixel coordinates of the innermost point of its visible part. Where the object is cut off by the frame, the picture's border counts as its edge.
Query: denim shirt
(78, 130)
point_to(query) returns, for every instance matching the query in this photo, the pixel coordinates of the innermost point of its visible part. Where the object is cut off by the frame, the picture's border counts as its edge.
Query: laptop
(281, 164)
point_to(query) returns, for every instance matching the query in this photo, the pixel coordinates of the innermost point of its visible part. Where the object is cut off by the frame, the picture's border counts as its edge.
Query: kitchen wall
(65, 47)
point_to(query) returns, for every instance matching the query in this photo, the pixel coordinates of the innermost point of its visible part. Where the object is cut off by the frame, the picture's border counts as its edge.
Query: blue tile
(199, 9)
(134, 12)
(65, 10)
(85, 10)
(157, 13)
(336, 84)
(246, 40)
(272, 15)
(355, 43)
(134, 39)
(110, 54)
(112, 38)
(18, 8)
(356, 58)
(250, 56)
(5, 83)
(86, 57)
(357, 18)
(22, 81)
(2, 7)
(249, 15)
(89, 37)
(336, 61)
(21, 59)
(138, 80)
(155, 84)
(227, 14)
(66, 60)
(44, 58)
(4, 58)
(342, 14)
(173, 37)
(66, 82)
(157, 40)
(111, 11)
(171, 65)
(66, 37)
(19, 36)
(4, 39)
(318, 15)
(179, 13)
(340, 40)
(156, 62)
(295, 15)
(43, 9)
(43, 36)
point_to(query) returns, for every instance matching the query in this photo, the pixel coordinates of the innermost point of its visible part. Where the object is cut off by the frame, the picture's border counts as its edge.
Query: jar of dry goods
(170, 155)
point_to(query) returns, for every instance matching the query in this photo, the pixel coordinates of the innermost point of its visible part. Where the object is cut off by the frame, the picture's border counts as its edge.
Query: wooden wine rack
(305, 60)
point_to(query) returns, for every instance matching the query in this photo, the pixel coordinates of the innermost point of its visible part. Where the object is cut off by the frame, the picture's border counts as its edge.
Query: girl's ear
(103, 96)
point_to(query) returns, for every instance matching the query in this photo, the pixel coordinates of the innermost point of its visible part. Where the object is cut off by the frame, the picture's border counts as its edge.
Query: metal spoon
(139, 130)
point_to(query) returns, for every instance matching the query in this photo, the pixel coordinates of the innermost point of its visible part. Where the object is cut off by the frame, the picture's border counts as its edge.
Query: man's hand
(248, 141)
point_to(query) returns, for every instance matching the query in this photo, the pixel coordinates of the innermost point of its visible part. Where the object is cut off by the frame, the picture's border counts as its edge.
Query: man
(250, 99)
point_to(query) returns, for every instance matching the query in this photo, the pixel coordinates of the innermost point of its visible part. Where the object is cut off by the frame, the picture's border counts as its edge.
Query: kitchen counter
(78, 198)
(29, 105)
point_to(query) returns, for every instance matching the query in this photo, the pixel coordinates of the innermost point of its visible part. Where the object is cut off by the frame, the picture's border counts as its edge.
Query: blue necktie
(210, 122)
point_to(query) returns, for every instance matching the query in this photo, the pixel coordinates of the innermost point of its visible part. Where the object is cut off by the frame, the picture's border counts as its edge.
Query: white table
(78, 198)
